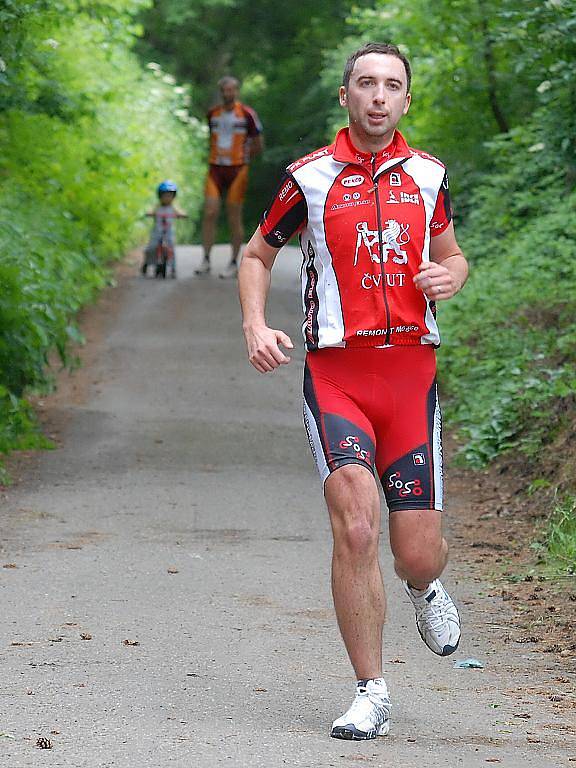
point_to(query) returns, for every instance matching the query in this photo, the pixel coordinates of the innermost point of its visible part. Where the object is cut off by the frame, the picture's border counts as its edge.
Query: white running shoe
(230, 271)
(437, 618)
(369, 715)
(203, 269)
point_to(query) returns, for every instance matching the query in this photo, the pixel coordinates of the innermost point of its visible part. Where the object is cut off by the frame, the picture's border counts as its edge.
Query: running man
(235, 138)
(375, 228)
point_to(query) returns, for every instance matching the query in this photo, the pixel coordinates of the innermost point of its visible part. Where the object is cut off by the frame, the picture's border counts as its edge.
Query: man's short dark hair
(385, 48)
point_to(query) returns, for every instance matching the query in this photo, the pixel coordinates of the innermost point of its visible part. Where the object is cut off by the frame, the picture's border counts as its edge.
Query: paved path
(169, 604)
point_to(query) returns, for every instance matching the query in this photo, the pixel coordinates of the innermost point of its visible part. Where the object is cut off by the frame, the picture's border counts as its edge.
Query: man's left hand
(436, 281)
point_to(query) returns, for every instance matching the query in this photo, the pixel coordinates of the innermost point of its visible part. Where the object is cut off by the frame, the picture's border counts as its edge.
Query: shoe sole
(448, 649)
(350, 733)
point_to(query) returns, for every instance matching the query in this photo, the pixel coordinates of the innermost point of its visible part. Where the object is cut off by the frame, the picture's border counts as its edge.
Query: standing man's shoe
(437, 618)
(231, 271)
(203, 269)
(369, 715)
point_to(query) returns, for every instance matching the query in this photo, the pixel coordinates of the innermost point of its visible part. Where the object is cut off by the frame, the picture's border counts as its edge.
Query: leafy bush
(496, 102)
(556, 548)
(18, 428)
(560, 540)
(510, 338)
(510, 349)
(85, 136)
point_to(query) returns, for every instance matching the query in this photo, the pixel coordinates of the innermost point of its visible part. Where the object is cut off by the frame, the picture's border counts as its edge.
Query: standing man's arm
(256, 145)
(254, 132)
(254, 283)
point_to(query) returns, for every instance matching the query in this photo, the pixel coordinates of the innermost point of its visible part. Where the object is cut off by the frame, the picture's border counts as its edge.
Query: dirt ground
(494, 538)
(115, 452)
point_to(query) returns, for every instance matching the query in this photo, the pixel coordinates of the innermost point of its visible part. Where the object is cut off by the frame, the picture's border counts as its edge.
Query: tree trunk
(488, 55)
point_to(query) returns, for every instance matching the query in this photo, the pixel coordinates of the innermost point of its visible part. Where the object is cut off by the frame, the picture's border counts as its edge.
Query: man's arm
(254, 283)
(256, 145)
(254, 127)
(447, 271)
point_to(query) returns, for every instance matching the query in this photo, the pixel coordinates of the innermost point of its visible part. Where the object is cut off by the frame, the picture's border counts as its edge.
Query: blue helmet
(167, 186)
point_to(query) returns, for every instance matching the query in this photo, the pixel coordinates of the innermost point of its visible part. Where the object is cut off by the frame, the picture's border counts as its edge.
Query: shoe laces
(368, 705)
(434, 610)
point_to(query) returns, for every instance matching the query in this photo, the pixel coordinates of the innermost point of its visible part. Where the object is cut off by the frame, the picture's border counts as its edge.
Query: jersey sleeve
(253, 124)
(286, 215)
(443, 211)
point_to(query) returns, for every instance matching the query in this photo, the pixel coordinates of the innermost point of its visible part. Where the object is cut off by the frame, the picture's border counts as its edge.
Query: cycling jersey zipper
(381, 247)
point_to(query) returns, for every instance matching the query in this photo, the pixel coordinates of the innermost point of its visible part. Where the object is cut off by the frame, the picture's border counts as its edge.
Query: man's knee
(356, 538)
(234, 211)
(354, 506)
(420, 562)
(211, 208)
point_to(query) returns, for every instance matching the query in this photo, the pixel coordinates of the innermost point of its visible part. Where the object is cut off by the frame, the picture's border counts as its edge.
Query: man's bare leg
(420, 555)
(234, 211)
(354, 507)
(211, 211)
(419, 549)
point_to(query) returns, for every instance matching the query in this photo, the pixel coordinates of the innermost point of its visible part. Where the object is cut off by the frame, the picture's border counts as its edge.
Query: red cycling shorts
(378, 407)
(229, 180)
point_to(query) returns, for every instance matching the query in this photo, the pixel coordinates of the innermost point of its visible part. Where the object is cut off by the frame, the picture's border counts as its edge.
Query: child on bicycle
(163, 230)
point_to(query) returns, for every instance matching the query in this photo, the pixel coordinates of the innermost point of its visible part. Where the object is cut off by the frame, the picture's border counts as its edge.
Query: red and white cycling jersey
(365, 223)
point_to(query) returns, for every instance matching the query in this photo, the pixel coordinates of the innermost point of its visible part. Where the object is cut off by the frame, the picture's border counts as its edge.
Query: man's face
(229, 93)
(376, 97)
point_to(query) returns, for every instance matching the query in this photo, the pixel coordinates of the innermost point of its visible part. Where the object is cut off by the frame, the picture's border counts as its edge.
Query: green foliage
(275, 48)
(18, 425)
(480, 68)
(557, 547)
(494, 96)
(509, 338)
(561, 535)
(85, 136)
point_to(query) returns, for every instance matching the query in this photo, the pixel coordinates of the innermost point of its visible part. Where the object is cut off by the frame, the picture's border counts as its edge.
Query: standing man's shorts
(378, 408)
(229, 180)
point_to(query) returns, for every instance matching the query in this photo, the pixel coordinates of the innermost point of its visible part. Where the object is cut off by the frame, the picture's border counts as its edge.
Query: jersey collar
(394, 153)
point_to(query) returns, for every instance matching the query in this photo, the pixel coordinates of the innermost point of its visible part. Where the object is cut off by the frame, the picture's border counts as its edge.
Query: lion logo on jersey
(394, 236)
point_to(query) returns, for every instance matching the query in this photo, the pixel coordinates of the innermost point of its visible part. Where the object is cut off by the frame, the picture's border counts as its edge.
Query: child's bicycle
(164, 253)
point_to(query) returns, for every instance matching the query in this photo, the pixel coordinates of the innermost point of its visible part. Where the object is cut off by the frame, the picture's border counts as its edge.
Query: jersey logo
(395, 180)
(393, 238)
(353, 441)
(285, 189)
(405, 197)
(403, 487)
(352, 181)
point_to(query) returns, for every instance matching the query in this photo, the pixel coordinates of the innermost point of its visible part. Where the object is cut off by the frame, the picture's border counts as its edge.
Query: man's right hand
(263, 347)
